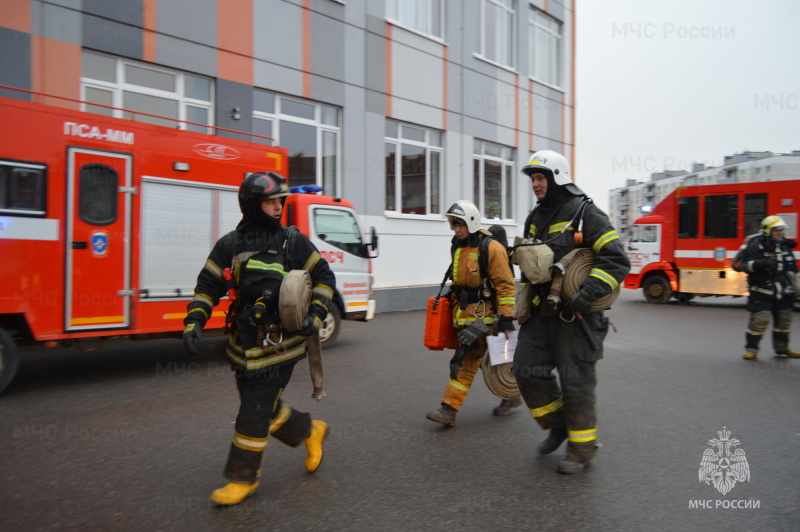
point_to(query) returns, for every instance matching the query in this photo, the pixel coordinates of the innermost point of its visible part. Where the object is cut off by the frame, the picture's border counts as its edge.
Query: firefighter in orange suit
(261, 251)
(479, 298)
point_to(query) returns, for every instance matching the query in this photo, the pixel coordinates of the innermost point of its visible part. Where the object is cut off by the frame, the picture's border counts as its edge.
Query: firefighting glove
(470, 334)
(761, 265)
(192, 335)
(579, 303)
(309, 326)
(506, 324)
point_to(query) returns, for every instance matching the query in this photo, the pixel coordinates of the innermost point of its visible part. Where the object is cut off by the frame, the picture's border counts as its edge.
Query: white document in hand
(501, 351)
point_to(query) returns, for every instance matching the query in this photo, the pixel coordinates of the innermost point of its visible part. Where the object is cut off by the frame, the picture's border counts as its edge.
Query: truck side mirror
(372, 245)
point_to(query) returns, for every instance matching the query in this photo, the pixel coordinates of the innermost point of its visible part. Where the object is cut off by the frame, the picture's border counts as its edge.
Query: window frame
(556, 59)
(396, 15)
(321, 127)
(41, 169)
(120, 86)
(430, 148)
(480, 157)
(508, 8)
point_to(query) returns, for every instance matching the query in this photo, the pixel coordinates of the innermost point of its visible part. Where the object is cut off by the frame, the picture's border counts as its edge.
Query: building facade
(635, 199)
(401, 106)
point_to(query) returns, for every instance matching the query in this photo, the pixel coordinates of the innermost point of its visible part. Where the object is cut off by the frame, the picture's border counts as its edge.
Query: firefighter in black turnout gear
(768, 260)
(250, 262)
(553, 336)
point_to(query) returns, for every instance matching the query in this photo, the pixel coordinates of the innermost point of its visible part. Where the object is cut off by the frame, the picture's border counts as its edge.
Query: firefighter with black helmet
(768, 260)
(479, 299)
(552, 335)
(251, 262)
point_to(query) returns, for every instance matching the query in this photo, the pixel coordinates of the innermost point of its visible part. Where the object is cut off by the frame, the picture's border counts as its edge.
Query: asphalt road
(134, 437)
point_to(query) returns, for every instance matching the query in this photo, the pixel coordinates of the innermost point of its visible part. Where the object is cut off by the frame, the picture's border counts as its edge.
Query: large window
(498, 33)
(422, 16)
(546, 54)
(22, 188)
(755, 210)
(721, 216)
(142, 88)
(309, 130)
(493, 179)
(687, 217)
(414, 156)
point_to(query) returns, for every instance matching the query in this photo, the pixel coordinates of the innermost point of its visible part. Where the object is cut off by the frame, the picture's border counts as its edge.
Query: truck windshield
(339, 228)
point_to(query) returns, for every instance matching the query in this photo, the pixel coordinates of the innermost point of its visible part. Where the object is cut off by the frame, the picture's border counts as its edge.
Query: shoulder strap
(483, 256)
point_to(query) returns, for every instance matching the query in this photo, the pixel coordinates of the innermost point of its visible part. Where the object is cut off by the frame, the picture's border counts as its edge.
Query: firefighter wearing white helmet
(482, 292)
(567, 336)
(769, 262)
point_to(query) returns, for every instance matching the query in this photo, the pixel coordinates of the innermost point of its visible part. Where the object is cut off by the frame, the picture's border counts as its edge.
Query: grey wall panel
(128, 11)
(186, 56)
(327, 47)
(376, 62)
(230, 94)
(72, 4)
(278, 33)
(277, 78)
(417, 76)
(55, 22)
(375, 103)
(355, 56)
(15, 62)
(193, 20)
(374, 177)
(111, 37)
(327, 90)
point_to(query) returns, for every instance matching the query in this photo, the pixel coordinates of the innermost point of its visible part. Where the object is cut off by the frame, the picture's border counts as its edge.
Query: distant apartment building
(636, 198)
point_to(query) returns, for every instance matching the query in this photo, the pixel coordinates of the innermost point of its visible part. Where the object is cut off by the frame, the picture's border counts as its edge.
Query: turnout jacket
(233, 250)
(767, 263)
(546, 222)
(466, 273)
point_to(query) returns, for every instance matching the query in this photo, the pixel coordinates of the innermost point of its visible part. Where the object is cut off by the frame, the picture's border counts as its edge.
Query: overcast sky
(663, 84)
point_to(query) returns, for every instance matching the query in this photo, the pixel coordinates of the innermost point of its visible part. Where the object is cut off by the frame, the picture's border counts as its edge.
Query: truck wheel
(329, 330)
(657, 290)
(9, 359)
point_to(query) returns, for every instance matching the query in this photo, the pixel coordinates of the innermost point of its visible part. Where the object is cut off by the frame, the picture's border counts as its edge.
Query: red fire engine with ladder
(105, 224)
(684, 248)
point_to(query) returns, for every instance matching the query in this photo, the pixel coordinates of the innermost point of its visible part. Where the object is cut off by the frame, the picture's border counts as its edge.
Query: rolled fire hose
(577, 265)
(500, 378)
(294, 301)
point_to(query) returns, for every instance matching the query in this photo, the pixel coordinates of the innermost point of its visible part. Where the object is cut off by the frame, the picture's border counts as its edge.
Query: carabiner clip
(475, 310)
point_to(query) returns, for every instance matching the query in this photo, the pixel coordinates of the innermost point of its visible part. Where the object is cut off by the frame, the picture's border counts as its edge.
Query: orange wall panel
(56, 70)
(235, 41)
(16, 15)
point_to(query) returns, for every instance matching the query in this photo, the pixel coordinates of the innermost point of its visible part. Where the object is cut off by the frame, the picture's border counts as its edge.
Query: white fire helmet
(467, 212)
(552, 162)
(772, 222)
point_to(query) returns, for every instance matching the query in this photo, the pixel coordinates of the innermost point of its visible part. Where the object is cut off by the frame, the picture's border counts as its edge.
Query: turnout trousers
(547, 343)
(758, 324)
(261, 414)
(463, 367)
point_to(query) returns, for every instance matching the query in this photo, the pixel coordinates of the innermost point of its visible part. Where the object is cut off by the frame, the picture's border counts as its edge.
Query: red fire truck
(105, 224)
(685, 247)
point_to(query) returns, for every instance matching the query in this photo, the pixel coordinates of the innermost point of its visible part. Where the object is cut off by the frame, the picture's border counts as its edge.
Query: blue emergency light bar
(305, 189)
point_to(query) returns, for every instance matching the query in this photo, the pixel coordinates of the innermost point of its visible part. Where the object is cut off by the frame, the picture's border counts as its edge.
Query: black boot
(579, 457)
(506, 405)
(554, 440)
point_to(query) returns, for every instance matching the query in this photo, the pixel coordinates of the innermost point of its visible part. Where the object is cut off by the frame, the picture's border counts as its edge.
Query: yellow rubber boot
(790, 353)
(750, 355)
(233, 493)
(319, 430)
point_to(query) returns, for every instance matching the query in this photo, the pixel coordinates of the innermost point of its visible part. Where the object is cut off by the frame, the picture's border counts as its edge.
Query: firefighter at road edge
(553, 336)
(768, 260)
(477, 302)
(262, 354)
